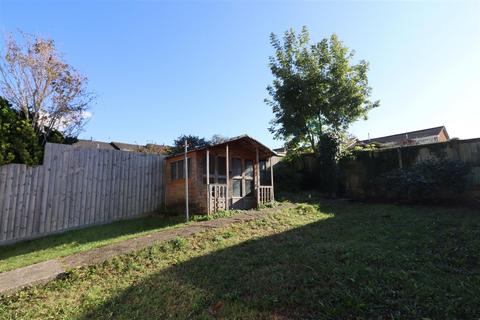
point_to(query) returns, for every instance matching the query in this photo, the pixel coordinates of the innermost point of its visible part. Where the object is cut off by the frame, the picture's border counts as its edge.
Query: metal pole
(209, 194)
(257, 175)
(227, 156)
(186, 181)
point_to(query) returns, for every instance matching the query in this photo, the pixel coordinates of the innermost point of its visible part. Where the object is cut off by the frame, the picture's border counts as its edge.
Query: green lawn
(332, 260)
(54, 246)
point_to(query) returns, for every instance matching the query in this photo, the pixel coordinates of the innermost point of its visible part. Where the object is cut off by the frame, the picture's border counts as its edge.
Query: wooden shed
(234, 174)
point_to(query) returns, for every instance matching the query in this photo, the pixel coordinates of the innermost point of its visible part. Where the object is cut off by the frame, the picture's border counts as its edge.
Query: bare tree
(45, 89)
(218, 138)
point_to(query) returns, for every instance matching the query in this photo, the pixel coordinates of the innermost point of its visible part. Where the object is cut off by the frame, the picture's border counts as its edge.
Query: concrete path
(44, 272)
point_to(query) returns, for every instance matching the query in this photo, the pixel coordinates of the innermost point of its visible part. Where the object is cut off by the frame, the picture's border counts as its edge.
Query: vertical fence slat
(110, 186)
(50, 190)
(32, 202)
(71, 182)
(93, 186)
(98, 183)
(88, 186)
(117, 184)
(26, 200)
(83, 189)
(131, 185)
(3, 186)
(121, 171)
(6, 200)
(18, 210)
(123, 193)
(57, 175)
(13, 203)
(67, 183)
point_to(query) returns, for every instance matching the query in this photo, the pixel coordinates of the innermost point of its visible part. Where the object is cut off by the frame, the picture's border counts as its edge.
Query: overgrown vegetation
(19, 142)
(327, 260)
(433, 180)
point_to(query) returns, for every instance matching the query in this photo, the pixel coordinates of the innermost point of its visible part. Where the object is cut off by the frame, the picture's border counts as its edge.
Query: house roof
(409, 135)
(243, 139)
(149, 148)
(92, 144)
(281, 151)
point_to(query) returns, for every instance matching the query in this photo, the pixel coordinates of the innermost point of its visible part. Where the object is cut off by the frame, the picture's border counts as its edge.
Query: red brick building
(424, 136)
(234, 174)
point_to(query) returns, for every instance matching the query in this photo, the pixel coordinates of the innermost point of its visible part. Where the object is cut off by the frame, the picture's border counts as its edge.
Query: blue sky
(161, 69)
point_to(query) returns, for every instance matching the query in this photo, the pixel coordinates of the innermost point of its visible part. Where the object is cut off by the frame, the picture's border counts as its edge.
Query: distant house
(149, 148)
(425, 136)
(281, 151)
(93, 144)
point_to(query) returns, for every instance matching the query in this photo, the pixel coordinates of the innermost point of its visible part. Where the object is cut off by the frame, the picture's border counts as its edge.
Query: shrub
(19, 142)
(289, 175)
(427, 181)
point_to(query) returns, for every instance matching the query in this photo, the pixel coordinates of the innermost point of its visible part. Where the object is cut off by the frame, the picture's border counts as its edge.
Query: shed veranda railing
(265, 194)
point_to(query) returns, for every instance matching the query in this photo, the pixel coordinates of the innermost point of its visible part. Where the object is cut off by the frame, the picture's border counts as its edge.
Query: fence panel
(77, 187)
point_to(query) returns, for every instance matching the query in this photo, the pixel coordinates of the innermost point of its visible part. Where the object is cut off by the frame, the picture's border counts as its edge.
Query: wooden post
(208, 181)
(271, 179)
(227, 204)
(400, 162)
(257, 175)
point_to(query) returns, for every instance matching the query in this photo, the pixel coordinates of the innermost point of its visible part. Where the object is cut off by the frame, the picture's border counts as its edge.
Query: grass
(330, 260)
(29, 252)
(54, 246)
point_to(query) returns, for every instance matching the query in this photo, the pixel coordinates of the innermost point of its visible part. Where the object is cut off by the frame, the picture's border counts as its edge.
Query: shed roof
(244, 139)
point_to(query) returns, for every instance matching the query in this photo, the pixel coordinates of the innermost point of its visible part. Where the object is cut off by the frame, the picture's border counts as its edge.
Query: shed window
(249, 187)
(173, 171)
(177, 169)
(265, 178)
(237, 187)
(211, 165)
(222, 166)
(249, 168)
(180, 169)
(236, 167)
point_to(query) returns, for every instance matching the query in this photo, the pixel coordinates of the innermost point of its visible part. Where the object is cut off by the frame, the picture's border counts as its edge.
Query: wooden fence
(360, 174)
(77, 187)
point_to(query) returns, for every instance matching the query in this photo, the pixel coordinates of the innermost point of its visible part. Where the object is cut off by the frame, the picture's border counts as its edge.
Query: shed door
(217, 197)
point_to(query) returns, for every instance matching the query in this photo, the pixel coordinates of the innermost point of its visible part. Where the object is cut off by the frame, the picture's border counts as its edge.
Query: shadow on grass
(89, 235)
(391, 262)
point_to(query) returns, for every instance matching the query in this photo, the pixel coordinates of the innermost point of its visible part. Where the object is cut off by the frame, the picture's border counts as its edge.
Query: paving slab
(38, 273)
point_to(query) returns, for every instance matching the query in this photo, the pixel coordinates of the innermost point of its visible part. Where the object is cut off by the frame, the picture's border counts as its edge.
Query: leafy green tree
(316, 90)
(193, 142)
(19, 142)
